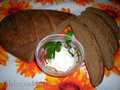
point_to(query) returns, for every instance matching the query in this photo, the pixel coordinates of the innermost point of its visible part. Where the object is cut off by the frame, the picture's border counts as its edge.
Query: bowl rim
(44, 39)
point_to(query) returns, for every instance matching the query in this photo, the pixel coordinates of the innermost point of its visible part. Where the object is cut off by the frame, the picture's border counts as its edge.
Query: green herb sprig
(51, 48)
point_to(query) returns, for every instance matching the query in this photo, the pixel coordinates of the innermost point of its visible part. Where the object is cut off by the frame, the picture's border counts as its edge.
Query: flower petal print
(3, 57)
(47, 1)
(3, 86)
(76, 81)
(83, 2)
(80, 2)
(116, 68)
(9, 7)
(27, 69)
(45, 86)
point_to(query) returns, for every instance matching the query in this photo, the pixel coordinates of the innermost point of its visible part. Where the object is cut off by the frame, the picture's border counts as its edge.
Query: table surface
(16, 74)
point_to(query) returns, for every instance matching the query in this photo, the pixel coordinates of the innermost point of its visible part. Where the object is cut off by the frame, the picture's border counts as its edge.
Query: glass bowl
(59, 55)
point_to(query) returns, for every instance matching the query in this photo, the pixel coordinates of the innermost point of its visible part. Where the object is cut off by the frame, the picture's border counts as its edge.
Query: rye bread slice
(102, 34)
(21, 32)
(93, 56)
(109, 21)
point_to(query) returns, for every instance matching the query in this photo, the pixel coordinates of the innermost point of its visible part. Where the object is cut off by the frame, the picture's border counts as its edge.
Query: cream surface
(63, 60)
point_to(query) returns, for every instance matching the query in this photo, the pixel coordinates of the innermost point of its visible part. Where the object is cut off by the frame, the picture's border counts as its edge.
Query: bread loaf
(21, 32)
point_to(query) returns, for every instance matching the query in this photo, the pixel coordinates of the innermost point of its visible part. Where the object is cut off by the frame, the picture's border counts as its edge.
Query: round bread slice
(99, 29)
(109, 21)
(93, 56)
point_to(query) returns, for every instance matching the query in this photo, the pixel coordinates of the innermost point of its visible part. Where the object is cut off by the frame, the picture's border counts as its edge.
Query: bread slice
(109, 21)
(102, 34)
(93, 56)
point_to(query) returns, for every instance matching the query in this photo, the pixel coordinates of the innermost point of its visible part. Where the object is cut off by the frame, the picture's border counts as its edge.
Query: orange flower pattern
(27, 69)
(47, 1)
(83, 2)
(8, 6)
(3, 86)
(116, 67)
(76, 81)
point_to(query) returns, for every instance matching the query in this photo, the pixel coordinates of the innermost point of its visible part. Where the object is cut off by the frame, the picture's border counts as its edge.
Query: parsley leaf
(51, 48)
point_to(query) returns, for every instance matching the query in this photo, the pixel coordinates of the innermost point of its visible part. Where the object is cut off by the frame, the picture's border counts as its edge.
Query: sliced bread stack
(95, 30)
(102, 28)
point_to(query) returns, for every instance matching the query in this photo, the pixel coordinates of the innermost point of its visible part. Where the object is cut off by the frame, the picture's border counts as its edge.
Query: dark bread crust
(21, 32)
(93, 55)
(102, 34)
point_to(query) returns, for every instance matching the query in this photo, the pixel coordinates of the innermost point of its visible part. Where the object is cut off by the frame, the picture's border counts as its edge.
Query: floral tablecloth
(16, 74)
